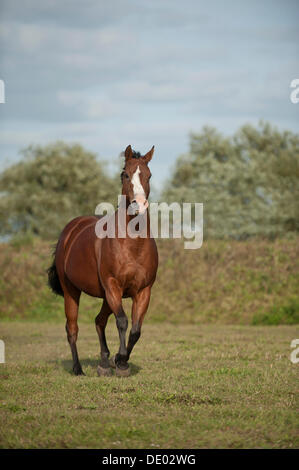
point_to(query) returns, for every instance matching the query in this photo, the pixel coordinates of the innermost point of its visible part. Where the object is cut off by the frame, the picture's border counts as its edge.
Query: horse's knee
(71, 331)
(97, 321)
(122, 322)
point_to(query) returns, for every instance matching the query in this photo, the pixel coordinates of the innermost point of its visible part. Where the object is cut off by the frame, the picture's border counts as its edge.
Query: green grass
(287, 314)
(191, 387)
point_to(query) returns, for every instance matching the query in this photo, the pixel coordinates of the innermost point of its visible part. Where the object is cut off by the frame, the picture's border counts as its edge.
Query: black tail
(53, 280)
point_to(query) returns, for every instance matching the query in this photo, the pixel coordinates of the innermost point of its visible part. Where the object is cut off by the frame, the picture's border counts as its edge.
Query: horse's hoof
(104, 371)
(122, 372)
(112, 362)
(78, 370)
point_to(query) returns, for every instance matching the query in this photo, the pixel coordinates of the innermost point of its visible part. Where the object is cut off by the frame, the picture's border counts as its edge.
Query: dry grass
(224, 282)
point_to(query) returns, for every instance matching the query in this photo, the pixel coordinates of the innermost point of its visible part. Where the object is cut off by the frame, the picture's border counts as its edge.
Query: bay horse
(109, 268)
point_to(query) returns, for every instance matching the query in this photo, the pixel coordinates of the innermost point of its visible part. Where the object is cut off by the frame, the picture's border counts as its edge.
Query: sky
(118, 72)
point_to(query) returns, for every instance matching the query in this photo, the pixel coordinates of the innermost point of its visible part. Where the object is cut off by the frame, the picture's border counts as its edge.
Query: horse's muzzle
(138, 205)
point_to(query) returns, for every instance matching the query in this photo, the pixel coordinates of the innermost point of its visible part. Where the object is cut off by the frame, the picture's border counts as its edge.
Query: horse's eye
(125, 175)
(149, 177)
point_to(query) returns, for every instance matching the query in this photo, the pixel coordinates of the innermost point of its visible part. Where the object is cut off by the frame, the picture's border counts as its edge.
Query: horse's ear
(128, 152)
(148, 156)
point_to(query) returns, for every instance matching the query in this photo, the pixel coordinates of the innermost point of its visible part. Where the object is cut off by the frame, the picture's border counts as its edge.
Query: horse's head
(135, 179)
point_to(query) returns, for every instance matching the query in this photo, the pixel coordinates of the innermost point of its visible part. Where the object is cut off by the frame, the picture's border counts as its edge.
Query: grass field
(191, 387)
(208, 371)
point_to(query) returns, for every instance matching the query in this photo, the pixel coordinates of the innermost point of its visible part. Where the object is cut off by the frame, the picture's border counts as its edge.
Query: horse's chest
(133, 275)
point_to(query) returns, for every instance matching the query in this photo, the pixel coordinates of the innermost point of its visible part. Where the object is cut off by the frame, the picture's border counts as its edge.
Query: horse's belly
(84, 278)
(81, 265)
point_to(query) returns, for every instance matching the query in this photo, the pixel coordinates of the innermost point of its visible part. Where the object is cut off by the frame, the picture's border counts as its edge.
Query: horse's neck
(124, 220)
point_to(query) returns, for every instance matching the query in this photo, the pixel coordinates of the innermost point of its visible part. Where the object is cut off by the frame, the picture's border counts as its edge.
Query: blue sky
(109, 74)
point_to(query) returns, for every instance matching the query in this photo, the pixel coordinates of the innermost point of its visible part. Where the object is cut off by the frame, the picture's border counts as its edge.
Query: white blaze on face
(139, 194)
(137, 186)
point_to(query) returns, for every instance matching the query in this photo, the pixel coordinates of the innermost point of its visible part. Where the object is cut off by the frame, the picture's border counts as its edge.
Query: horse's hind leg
(101, 322)
(71, 305)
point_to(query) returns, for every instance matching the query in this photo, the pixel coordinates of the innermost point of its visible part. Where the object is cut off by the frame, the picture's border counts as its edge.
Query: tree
(50, 186)
(249, 182)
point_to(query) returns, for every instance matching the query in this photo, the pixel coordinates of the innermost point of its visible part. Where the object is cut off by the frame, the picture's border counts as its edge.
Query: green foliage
(49, 187)
(286, 314)
(249, 183)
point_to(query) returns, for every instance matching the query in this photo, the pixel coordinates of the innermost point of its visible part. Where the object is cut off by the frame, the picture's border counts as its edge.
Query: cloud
(106, 73)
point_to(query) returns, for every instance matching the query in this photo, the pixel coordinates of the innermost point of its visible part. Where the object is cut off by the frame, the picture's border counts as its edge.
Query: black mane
(136, 154)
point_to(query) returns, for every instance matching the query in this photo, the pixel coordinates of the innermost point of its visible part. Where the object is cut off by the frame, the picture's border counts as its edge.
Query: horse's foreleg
(71, 305)
(114, 299)
(139, 309)
(101, 322)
